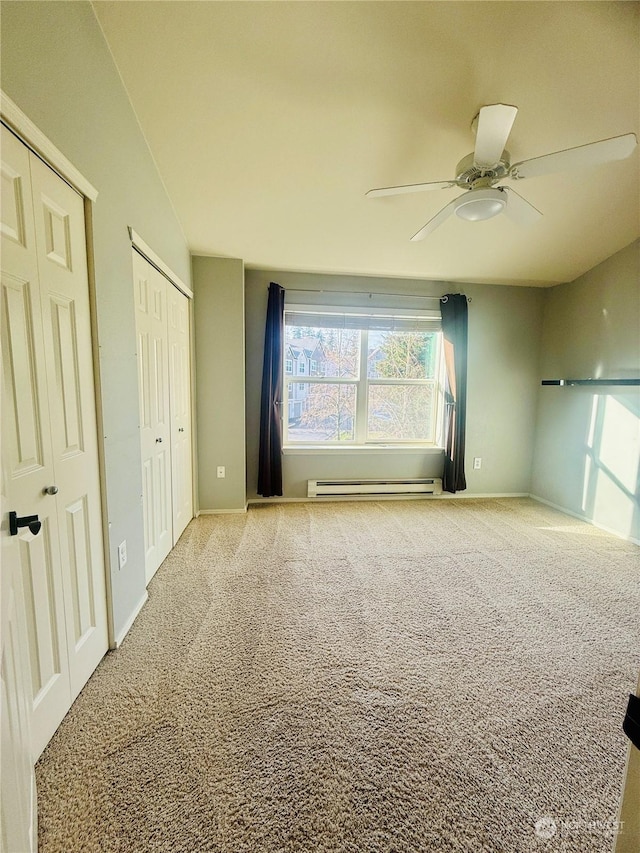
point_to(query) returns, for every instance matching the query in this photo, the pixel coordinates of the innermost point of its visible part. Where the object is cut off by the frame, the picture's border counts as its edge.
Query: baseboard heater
(428, 486)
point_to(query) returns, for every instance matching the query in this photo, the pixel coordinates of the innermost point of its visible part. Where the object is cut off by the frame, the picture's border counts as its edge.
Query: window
(288, 365)
(373, 379)
(301, 366)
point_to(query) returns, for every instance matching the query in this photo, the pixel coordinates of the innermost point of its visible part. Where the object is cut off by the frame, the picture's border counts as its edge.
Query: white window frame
(362, 384)
(288, 366)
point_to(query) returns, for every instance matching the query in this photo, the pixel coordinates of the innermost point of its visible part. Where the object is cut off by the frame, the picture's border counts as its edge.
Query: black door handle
(31, 521)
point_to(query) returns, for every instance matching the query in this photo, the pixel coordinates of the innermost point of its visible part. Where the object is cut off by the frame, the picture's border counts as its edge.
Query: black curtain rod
(368, 293)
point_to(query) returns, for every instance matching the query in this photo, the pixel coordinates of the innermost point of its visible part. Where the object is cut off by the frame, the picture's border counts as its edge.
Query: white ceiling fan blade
(592, 154)
(411, 188)
(520, 210)
(494, 126)
(435, 221)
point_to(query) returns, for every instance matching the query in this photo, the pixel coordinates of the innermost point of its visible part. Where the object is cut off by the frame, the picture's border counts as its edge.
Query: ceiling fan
(481, 172)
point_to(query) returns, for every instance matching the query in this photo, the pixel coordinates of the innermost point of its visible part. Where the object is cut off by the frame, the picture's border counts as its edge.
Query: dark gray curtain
(454, 332)
(270, 458)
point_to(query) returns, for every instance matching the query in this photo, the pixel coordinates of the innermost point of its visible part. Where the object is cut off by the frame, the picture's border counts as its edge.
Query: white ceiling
(269, 121)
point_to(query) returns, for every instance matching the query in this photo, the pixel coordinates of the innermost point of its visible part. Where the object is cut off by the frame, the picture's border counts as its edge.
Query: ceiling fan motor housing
(468, 173)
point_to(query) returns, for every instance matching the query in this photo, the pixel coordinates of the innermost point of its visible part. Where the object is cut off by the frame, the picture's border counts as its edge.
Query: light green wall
(504, 334)
(57, 68)
(587, 454)
(220, 381)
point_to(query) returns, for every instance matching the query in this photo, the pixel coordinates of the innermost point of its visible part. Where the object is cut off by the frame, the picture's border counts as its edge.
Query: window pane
(321, 412)
(401, 413)
(402, 355)
(335, 352)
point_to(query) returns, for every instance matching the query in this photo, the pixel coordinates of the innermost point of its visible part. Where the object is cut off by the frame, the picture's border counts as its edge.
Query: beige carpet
(352, 677)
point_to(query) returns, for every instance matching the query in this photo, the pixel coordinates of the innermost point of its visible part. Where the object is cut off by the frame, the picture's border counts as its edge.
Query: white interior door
(155, 424)
(18, 813)
(49, 442)
(180, 396)
(27, 456)
(62, 264)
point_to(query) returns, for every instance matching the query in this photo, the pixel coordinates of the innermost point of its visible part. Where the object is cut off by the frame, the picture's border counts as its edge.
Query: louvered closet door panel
(150, 293)
(180, 390)
(27, 454)
(62, 262)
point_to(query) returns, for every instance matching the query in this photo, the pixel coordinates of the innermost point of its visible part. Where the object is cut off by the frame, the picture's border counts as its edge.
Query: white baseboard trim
(585, 519)
(123, 633)
(417, 497)
(255, 501)
(484, 495)
(222, 511)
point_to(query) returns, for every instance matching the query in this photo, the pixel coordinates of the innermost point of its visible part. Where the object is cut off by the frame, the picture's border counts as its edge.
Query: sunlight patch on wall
(609, 500)
(620, 443)
(588, 462)
(612, 463)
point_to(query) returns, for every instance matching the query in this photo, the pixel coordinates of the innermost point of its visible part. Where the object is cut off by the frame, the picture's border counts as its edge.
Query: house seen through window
(367, 379)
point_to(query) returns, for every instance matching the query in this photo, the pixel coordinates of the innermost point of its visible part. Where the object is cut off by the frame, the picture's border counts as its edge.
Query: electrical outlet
(221, 471)
(122, 554)
(477, 462)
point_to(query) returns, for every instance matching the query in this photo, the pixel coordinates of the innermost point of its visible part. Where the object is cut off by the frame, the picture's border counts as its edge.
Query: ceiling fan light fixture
(482, 204)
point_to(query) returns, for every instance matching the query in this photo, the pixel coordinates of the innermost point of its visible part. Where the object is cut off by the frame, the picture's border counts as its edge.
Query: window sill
(359, 449)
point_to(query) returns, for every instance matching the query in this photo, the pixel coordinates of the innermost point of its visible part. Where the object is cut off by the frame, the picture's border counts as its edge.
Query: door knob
(158, 441)
(31, 521)
(51, 490)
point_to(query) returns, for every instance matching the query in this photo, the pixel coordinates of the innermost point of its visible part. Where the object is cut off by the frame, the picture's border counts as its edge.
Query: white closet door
(49, 441)
(18, 812)
(180, 393)
(155, 424)
(62, 263)
(27, 456)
